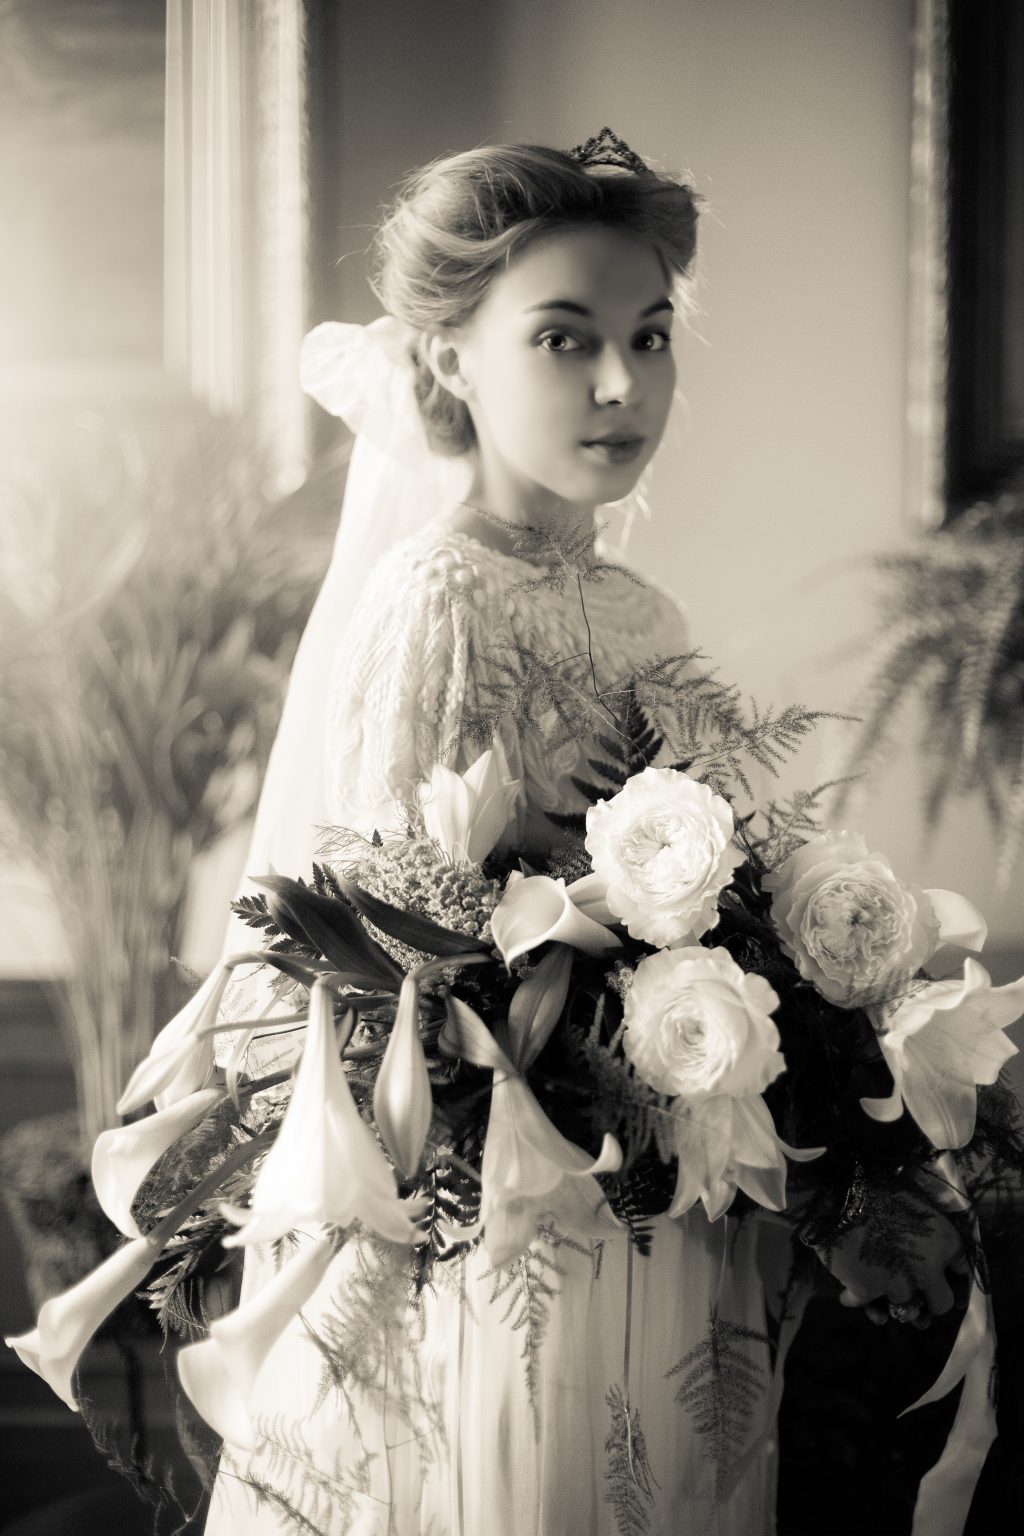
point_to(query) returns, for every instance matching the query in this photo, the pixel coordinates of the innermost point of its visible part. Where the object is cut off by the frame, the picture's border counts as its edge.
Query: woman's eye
(568, 343)
(660, 341)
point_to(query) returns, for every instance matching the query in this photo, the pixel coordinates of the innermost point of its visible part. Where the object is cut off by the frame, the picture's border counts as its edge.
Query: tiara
(606, 148)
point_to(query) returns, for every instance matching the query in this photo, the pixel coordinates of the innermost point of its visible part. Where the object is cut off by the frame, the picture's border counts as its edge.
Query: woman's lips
(615, 450)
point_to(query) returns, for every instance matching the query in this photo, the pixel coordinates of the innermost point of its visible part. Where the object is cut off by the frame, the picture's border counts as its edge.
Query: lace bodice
(430, 643)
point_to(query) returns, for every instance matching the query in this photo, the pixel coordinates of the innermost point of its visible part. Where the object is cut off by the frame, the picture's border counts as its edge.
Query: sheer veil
(395, 485)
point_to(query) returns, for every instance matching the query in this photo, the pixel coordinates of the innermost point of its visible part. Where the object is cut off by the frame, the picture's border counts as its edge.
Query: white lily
(726, 1142)
(959, 920)
(527, 1161)
(121, 1158)
(402, 1102)
(180, 1059)
(939, 1043)
(325, 1166)
(537, 908)
(67, 1322)
(466, 813)
(218, 1374)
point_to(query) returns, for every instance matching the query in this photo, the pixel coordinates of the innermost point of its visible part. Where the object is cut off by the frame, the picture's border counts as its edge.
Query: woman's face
(570, 347)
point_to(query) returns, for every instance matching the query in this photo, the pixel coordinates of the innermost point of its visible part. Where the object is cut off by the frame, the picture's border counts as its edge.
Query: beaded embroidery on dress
(581, 1388)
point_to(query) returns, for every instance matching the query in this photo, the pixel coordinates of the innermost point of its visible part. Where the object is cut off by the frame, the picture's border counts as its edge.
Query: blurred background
(186, 186)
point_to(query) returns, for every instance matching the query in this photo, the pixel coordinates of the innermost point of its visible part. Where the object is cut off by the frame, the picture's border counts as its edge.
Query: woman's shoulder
(438, 565)
(436, 557)
(664, 614)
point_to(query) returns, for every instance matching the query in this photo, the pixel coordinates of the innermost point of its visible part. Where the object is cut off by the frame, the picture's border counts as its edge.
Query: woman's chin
(614, 483)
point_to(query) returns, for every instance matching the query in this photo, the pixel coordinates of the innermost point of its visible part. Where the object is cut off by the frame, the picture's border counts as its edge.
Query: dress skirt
(585, 1389)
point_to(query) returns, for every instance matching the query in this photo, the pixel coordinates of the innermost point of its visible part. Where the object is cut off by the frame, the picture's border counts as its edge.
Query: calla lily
(325, 1166)
(218, 1374)
(402, 1103)
(939, 1043)
(590, 894)
(724, 1143)
(122, 1157)
(467, 813)
(67, 1322)
(538, 908)
(526, 1158)
(180, 1059)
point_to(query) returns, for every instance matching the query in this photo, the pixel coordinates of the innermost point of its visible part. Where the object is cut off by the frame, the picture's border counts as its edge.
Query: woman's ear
(441, 348)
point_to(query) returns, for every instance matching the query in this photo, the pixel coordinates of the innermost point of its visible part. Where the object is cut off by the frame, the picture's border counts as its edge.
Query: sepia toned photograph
(511, 767)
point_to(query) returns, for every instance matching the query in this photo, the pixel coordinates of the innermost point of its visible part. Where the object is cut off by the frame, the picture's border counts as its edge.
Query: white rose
(698, 1026)
(663, 847)
(854, 930)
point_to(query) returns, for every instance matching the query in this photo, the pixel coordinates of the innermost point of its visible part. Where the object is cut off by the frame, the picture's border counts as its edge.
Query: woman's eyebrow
(580, 309)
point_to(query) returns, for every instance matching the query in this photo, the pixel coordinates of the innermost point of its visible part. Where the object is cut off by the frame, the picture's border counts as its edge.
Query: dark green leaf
(607, 770)
(331, 927)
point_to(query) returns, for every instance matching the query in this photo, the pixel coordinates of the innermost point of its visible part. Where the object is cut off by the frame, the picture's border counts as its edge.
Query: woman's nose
(616, 379)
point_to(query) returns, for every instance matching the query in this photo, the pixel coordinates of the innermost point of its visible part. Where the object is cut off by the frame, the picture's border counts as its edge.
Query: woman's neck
(495, 512)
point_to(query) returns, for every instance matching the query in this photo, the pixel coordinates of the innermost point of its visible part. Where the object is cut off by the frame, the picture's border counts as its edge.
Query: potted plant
(951, 620)
(150, 600)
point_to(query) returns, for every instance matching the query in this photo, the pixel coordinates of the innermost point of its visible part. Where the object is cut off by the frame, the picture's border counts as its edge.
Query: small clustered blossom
(410, 875)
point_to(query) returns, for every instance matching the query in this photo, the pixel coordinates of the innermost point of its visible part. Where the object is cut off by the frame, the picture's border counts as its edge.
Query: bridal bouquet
(680, 1005)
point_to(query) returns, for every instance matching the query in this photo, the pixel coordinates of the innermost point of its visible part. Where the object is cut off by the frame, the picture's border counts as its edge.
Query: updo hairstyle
(460, 220)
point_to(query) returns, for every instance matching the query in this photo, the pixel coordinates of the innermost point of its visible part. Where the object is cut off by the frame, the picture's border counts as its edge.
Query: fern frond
(628, 1473)
(528, 1286)
(721, 1388)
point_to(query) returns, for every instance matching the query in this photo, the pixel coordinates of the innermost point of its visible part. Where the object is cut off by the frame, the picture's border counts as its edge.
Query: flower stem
(245, 1152)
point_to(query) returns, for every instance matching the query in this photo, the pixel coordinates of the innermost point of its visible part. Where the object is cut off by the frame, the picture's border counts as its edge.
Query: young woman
(522, 379)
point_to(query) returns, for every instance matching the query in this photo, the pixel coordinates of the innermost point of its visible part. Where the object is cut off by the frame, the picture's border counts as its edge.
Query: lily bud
(402, 1103)
(537, 1005)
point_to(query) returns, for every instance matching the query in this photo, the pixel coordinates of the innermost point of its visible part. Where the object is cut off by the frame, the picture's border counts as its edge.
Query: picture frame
(965, 341)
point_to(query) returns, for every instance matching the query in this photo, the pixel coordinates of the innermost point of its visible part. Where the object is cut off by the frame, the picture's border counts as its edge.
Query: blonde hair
(462, 219)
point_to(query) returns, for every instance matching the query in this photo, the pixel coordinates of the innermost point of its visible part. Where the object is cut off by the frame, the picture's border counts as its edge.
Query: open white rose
(663, 847)
(854, 930)
(698, 1026)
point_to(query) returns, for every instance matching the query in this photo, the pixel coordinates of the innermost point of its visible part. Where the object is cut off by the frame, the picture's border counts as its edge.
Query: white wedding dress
(542, 1399)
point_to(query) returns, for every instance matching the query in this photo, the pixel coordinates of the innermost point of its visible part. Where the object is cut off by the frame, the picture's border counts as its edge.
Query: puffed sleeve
(397, 688)
(670, 628)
